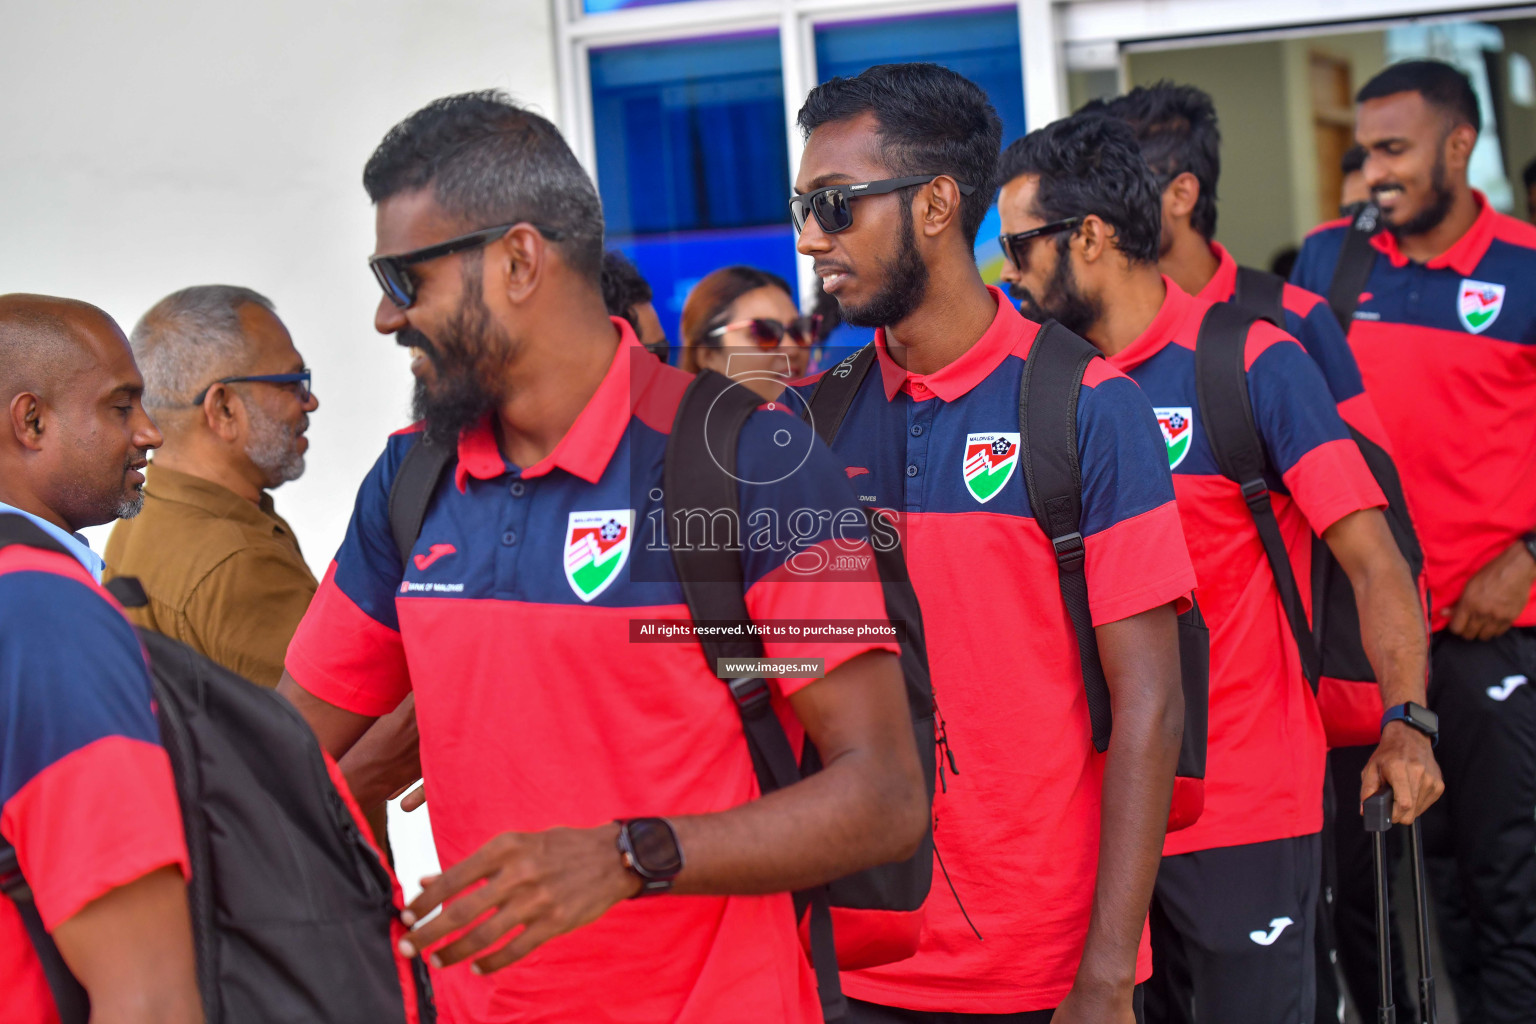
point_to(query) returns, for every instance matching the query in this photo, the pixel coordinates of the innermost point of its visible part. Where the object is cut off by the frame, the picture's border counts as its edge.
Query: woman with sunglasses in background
(742, 322)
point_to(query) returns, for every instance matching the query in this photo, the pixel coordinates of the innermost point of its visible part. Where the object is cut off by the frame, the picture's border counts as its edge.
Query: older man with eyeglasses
(222, 570)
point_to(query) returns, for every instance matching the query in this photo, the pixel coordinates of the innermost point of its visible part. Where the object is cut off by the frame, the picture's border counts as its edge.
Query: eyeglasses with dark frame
(400, 286)
(829, 204)
(301, 378)
(1013, 244)
(766, 333)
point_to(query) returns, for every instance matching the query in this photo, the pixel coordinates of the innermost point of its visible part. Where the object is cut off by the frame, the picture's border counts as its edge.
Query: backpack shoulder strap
(1356, 258)
(833, 394)
(412, 491)
(1048, 393)
(15, 529)
(699, 475)
(1262, 294)
(1221, 388)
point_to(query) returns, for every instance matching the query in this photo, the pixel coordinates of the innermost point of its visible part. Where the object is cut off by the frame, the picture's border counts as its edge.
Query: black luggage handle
(1377, 812)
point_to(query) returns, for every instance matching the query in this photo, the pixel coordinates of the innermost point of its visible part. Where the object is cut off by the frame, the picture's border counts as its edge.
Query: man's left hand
(1404, 760)
(546, 883)
(1097, 1004)
(1494, 596)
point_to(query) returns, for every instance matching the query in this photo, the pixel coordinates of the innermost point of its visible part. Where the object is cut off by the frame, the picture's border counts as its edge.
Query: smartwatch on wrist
(648, 847)
(1529, 540)
(1417, 716)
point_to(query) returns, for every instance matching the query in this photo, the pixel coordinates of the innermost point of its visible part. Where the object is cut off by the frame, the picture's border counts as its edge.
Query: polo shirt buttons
(912, 470)
(518, 488)
(509, 538)
(917, 430)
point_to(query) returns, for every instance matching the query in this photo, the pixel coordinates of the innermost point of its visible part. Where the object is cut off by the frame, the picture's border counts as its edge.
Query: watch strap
(1402, 713)
(1529, 540)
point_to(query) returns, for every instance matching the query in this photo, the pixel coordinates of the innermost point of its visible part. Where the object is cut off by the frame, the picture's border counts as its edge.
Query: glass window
(982, 45)
(692, 159)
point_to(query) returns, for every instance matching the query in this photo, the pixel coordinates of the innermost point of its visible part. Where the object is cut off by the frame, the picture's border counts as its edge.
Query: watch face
(1424, 717)
(655, 847)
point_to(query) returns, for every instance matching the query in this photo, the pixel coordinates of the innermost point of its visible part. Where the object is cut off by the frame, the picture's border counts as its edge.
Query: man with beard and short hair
(222, 570)
(1445, 334)
(87, 799)
(569, 769)
(1048, 847)
(1181, 141)
(1228, 948)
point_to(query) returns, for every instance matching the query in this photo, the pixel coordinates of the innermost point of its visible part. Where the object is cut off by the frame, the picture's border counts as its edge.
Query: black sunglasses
(830, 204)
(1014, 245)
(302, 379)
(397, 281)
(766, 333)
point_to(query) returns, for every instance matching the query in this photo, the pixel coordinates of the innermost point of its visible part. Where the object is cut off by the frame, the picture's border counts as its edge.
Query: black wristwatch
(1529, 540)
(648, 847)
(1416, 715)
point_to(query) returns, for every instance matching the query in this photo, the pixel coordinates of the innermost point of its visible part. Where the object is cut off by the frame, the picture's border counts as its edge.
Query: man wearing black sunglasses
(1050, 848)
(1236, 893)
(569, 769)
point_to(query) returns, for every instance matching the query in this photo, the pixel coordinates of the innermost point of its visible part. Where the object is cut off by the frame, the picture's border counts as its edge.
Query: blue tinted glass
(981, 45)
(692, 160)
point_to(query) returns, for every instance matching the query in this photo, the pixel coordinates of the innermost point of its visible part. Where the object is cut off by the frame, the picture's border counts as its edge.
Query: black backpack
(292, 908)
(1332, 655)
(868, 918)
(1048, 392)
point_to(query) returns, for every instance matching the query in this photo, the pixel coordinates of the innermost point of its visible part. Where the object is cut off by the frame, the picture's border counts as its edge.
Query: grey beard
(273, 448)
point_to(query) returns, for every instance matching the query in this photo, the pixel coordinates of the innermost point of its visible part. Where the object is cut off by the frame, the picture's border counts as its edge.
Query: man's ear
(1181, 195)
(519, 259)
(27, 415)
(937, 206)
(1459, 143)
(223, 412)
(1095, 237)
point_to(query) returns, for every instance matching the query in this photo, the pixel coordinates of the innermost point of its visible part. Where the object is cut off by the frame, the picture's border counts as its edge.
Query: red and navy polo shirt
(1266, 753)
(1018, 827)
(86, 792)
(512, 626)
(1309, 320)
(1448, 352)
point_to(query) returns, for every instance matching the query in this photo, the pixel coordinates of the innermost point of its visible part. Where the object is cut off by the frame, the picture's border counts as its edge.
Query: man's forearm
(1141, 662)
(851, 815)
(1392, 630)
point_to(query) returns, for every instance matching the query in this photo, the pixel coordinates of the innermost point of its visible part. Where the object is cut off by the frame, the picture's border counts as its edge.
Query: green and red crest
(1478, 304)
(1178, 425)
(990, 460)
(596, 548)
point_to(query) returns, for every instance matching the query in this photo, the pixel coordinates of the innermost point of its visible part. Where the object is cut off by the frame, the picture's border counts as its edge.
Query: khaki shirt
(223, 576)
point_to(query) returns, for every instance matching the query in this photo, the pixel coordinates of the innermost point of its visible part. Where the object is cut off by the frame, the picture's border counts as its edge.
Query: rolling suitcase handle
(1377, 811)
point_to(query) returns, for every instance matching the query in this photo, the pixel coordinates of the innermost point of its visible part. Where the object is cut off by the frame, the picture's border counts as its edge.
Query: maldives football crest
(989, 462)
(596, 548)
(1178, 425)
(1478, 304)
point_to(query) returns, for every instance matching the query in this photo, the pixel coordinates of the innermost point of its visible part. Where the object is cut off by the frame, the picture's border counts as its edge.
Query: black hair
(932, 121)
(1353, 160)
(1089, 163)
(623, 287)
(1442, 86)
(490, 161)
(1177, 129)
(1529, 174)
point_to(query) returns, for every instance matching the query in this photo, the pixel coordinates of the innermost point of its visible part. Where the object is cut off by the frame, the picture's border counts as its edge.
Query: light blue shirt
(73, 542)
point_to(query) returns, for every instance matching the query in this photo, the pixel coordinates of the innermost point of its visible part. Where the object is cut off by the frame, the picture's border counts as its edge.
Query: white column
(1045, 84)
(797, 53)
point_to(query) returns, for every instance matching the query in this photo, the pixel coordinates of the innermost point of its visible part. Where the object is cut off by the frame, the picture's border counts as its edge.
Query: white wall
(149, 146)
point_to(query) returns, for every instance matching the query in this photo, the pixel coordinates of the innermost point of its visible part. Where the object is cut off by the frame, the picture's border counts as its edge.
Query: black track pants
(1232, 935)
(1481, 836)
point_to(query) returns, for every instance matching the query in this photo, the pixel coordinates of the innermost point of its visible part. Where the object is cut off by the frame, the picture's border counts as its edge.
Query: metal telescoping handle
(1428, 1013)
(1377, 811)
